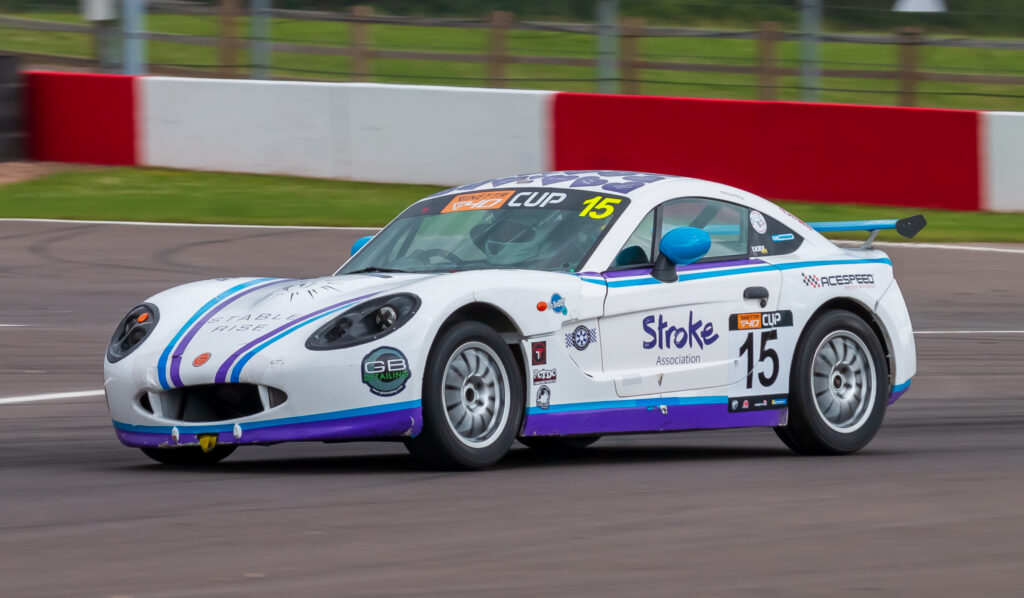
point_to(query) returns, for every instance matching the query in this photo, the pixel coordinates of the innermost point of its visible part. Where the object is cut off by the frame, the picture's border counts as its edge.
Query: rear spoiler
(906, 227)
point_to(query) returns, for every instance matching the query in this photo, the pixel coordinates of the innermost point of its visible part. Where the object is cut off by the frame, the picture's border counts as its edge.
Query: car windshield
(536, 229)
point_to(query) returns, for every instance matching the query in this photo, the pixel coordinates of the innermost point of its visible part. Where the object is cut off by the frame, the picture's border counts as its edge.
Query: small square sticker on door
(539, 353)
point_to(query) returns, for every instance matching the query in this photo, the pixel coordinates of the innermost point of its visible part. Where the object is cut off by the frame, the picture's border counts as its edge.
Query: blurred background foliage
(965, 17)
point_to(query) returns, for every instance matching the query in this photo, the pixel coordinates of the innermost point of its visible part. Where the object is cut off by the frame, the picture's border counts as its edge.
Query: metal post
(259, 44)
(607, 46)
(811, 16)
(134, 56)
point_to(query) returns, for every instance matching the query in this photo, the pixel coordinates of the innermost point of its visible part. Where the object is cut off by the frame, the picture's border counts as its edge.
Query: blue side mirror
(359, 244)
(679, 247)
(685, 245)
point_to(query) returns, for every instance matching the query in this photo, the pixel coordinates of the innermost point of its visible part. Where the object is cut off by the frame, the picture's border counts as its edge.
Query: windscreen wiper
(376, 269)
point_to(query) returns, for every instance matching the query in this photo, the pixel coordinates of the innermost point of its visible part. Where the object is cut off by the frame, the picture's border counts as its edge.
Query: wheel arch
(496, 318)
(863, 312)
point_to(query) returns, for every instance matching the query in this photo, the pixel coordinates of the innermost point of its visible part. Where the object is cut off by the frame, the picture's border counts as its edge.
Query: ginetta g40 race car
(553, 308)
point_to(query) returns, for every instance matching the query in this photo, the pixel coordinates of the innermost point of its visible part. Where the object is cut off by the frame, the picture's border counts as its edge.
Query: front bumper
(384, 421)
(327, 400)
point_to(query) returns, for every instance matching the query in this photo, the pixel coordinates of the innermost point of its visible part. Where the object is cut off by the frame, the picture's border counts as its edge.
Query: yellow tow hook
(207, 442)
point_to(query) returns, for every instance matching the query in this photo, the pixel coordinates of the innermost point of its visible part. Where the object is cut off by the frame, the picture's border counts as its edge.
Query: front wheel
(472, 399)
(189, 456)
(839, 385)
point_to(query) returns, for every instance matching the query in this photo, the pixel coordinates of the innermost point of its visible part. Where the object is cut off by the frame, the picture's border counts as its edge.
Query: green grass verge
(554, 43)
(159, 195)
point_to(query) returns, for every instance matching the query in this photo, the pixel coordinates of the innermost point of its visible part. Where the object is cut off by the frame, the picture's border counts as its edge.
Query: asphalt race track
(933, 507)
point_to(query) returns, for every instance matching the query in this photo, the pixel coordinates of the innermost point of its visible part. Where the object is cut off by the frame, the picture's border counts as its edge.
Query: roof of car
(644, 189)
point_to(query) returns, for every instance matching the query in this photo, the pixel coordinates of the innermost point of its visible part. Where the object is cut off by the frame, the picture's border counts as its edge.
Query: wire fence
(906, 67)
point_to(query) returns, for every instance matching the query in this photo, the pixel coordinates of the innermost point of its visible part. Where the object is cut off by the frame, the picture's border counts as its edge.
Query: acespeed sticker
(484, 200)
(758, 222)
(386, 371)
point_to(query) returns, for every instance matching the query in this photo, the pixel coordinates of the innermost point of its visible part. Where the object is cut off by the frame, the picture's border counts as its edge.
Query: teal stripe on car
(165, 356)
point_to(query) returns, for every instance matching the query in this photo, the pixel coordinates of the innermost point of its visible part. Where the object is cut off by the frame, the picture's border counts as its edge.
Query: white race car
(554, 308)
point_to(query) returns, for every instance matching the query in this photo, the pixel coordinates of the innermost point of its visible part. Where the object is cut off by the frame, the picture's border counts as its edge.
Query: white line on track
(53, 396)
(190, 224)
(969, 332)
(949, 246)
(13, 325)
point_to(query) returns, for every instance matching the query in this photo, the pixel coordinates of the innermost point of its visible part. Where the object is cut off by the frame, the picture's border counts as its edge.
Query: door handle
(757, 293)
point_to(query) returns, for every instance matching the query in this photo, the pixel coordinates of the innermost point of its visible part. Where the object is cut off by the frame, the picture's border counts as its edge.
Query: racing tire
(472, 400)
(839, 383)
(557, 445)
(189, 456)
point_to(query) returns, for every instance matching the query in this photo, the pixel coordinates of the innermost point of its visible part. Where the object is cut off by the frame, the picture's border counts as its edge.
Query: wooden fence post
(910, 39)
(228, 38)
(496, 57)
(631, 30)
(766, 63)
(361, 51)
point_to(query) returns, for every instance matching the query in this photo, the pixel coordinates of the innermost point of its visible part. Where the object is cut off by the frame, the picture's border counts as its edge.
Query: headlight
(133, 329)
(366, 322)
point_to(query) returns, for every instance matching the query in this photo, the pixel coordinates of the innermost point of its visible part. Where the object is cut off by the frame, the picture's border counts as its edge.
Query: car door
(671, 337)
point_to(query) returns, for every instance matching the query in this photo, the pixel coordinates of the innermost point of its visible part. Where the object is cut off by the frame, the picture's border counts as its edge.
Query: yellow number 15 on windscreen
(599, 207)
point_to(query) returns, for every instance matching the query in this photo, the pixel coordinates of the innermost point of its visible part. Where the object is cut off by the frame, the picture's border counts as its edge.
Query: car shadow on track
(519, 457)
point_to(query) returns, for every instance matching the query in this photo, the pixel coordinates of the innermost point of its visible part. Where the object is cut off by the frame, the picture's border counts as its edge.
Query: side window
(726, 223)
(638, 249)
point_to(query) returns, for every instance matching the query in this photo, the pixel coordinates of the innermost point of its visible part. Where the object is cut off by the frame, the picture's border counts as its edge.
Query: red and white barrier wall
(952, 159)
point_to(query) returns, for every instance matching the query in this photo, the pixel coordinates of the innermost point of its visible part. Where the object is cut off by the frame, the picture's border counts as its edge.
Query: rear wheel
(839, 383)
(472, 399)
(189, 455)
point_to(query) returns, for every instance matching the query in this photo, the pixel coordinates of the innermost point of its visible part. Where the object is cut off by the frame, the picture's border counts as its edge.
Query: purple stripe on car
(222, 372)
(405, 422)
(896, 395)
(687, 268)
(180, 350)
(649, 419)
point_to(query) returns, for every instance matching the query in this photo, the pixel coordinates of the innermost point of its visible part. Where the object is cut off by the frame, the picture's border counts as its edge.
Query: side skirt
(667, 414)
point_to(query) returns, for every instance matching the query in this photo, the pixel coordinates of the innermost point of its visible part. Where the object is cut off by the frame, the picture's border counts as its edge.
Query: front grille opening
(212, 402)
(145, 404)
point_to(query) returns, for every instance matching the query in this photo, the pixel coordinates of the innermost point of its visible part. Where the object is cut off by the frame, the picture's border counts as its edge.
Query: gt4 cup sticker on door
(386, 371)
(761, 347)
